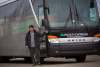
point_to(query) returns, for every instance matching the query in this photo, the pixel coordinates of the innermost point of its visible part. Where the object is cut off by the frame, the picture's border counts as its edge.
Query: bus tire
(81, 58)
(1, 59)
(28, 59)
(41, 60)
(4, 59)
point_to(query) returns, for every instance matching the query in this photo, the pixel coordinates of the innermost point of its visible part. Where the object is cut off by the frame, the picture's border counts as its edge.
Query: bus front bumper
(69, 49)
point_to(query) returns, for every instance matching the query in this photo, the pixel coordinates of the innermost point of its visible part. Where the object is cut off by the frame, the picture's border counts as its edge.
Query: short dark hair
(31, 26)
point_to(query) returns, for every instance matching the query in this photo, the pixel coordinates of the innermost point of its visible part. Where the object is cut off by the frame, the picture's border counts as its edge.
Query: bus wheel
(42, 60)
(28, 59)
(81, 58)
(4, 59)
(1, 60)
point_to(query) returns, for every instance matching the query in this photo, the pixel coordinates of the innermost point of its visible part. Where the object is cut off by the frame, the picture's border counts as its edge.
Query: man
(32, 41)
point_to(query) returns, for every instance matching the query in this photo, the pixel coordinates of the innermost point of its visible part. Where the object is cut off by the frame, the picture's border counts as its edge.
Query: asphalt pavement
(91, 61)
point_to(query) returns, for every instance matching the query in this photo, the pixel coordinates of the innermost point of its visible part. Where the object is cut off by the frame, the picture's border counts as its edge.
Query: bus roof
(4, 2)
(14, 8)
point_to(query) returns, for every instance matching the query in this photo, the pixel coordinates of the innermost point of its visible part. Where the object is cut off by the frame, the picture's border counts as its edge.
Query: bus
(70, 28)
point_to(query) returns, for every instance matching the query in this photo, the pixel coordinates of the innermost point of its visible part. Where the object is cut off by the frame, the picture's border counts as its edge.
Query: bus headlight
(97, 40)
(53, 41)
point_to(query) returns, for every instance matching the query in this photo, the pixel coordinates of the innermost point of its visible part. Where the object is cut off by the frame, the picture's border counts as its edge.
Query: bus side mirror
(45, 24)
(48, 10)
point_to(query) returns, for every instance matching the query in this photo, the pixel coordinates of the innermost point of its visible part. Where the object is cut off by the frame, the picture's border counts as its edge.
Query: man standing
(32, 42)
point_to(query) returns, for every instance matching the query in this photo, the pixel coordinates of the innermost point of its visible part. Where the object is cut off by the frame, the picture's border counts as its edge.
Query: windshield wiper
(76, 17)
(74, 11)
(73, 14)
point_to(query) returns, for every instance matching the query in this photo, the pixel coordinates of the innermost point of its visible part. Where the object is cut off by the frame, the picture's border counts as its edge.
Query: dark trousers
(35, 55)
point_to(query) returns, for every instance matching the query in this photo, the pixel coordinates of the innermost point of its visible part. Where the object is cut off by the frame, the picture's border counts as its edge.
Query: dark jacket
(36, 38)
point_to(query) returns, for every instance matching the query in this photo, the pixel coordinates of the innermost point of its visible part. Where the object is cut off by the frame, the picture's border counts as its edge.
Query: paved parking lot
(91, 61)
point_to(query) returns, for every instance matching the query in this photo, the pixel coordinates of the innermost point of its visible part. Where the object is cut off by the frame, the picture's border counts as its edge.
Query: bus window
(93, 14)
(41, 14)
(60, 12)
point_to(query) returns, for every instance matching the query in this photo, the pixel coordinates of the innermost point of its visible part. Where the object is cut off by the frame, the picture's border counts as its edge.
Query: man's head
(31, 28)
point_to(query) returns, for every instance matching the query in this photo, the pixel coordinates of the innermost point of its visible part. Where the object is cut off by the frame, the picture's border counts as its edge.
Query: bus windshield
(63, 12)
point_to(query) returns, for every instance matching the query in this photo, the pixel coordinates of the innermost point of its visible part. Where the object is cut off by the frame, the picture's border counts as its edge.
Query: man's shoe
(34, 65)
